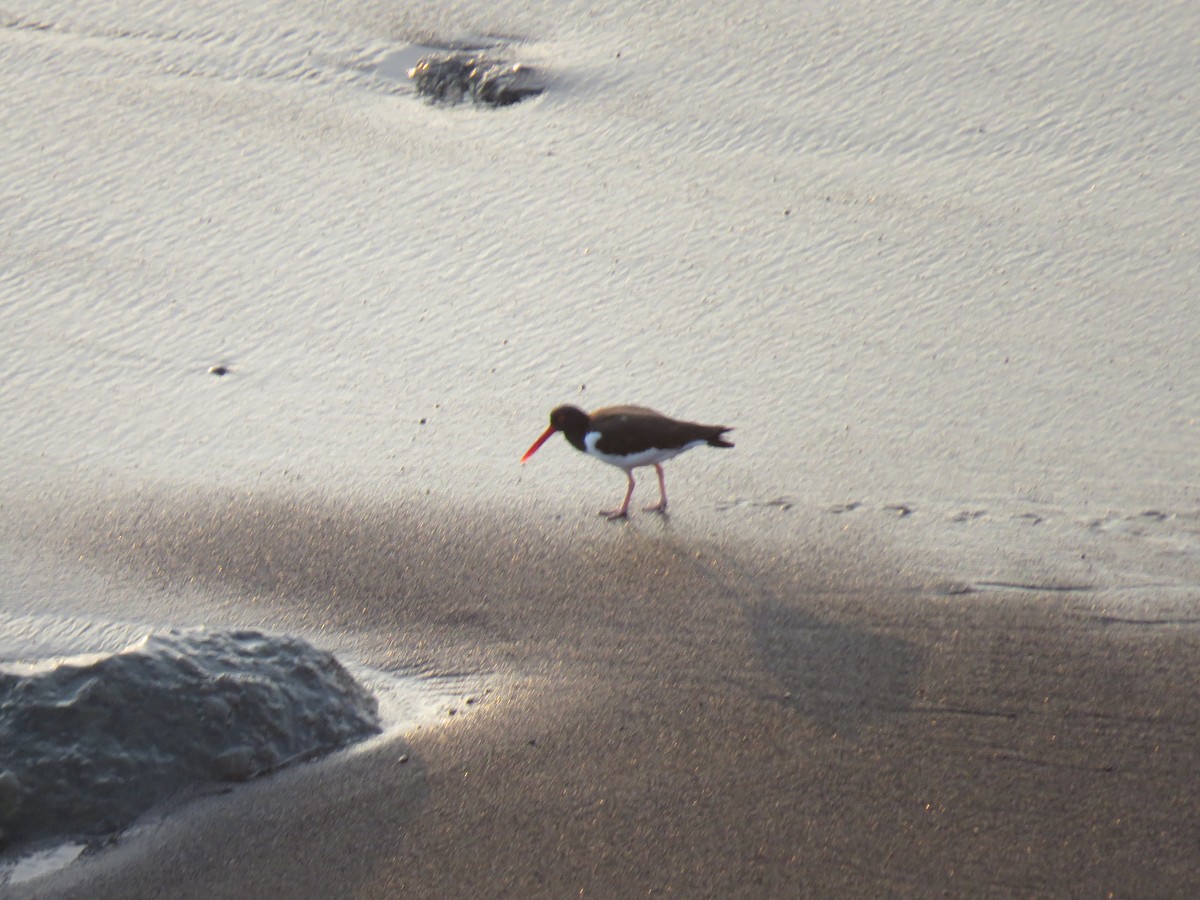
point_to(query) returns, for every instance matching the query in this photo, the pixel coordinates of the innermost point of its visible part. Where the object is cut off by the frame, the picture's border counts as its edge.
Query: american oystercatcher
(629, 437)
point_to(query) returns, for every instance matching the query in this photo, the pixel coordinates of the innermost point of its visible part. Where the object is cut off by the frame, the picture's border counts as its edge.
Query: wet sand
(680, 713)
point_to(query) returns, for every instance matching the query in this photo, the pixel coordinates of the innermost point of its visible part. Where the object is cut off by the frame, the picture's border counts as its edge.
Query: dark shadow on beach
(834, 673)
(798, 716)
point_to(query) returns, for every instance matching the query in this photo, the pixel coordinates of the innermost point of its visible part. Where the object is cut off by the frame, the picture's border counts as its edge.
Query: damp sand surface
(682, 711)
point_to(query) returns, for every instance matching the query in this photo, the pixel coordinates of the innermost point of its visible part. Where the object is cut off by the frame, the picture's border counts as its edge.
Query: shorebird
(630, 437)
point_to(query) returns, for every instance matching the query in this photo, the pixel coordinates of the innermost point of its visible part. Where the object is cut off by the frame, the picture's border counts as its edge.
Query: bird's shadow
(836, 673)
(828, 662)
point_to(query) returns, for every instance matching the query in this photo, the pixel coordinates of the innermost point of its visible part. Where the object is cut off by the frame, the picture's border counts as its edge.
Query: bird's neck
(575, 437)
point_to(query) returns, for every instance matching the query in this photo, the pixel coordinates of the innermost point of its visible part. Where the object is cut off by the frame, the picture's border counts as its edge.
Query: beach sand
(680, 715)
(274, 333)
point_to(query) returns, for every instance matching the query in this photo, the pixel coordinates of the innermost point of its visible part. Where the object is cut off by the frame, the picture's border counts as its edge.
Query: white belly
(634, 460)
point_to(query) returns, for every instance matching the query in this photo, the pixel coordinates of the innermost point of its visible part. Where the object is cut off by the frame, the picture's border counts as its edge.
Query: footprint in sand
(968, 515)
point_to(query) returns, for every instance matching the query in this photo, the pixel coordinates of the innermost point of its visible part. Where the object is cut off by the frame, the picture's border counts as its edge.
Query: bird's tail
(717, 438)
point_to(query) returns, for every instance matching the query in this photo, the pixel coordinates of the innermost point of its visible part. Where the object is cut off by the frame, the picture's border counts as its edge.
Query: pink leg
(661, 506)
(624, 510)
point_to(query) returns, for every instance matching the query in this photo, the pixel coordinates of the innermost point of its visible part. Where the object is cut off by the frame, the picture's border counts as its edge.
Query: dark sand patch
(697, 716)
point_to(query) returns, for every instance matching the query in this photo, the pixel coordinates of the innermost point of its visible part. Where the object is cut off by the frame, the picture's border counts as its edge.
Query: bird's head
(562, 418)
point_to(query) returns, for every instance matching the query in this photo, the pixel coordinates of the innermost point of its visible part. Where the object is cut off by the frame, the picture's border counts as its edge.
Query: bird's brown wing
(631, 429)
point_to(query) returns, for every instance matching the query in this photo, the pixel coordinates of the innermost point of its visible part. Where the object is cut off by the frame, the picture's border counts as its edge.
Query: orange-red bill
(545, 437)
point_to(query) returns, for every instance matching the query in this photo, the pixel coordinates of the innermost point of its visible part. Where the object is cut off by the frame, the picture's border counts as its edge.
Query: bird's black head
(569, 419)
(572, 422)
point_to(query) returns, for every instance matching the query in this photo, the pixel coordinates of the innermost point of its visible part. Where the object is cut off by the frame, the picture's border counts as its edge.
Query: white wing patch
(633, 460)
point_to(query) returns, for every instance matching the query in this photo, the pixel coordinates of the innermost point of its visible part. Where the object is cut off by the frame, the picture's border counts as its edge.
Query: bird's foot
(657, 507)
(612, 514)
